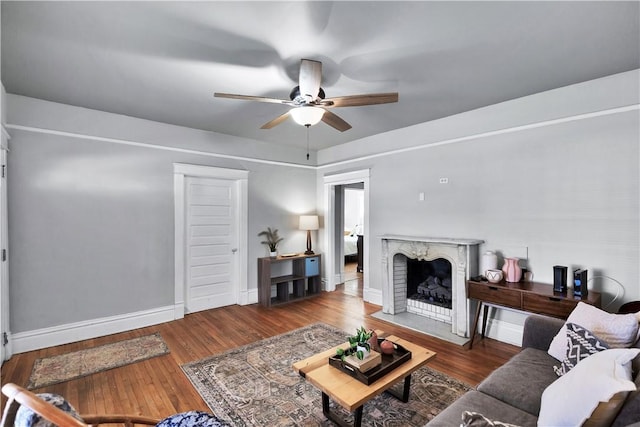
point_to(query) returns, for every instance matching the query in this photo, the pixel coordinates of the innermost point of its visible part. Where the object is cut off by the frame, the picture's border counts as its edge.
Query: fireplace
(427, 277)
(429, 281)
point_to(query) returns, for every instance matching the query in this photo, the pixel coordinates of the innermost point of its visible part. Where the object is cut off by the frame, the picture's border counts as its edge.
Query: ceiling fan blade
(360, 100)
(276, 121)
(310, 78)
(335, 122)
(252, 98)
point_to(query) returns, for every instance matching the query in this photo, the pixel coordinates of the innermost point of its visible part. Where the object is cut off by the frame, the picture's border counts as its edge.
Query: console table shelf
(531, 297)
(303, 281)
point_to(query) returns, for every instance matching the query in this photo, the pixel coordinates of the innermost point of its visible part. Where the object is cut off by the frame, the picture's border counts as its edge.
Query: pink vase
(511, 269)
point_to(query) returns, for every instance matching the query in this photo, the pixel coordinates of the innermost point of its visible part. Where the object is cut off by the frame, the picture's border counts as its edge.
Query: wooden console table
(531, 297)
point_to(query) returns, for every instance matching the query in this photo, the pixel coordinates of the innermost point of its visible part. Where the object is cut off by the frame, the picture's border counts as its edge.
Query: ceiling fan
(308, 101)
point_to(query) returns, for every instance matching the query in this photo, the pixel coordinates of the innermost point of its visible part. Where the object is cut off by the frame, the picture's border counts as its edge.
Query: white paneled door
(210, 242)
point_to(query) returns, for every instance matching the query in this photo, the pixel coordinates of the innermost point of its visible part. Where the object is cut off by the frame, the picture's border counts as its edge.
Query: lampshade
(307, 115)
(309, 222)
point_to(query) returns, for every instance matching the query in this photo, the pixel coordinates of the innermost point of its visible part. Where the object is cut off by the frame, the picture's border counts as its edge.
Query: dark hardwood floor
(158, 387)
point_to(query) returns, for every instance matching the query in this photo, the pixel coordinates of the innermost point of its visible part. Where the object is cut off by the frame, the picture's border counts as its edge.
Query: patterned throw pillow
(617, 330)
(25, 417)
(192, 419)
(581, 343)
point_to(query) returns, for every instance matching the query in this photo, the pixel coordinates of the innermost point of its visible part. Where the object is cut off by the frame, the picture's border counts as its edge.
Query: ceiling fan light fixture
(307, 115)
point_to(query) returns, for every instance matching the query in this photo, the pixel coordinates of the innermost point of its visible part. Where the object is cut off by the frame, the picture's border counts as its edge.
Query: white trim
(347, 177)
(244, 296)
(72, 332)
(503, 331)
(153, 146)
(241, 178)
(499, 329)
(179, 243)
(249, 296)
(5, 132)
(544, 123)
(5, 319)
(511, 129)
(330, 182)
(374, 296)
(201, 171)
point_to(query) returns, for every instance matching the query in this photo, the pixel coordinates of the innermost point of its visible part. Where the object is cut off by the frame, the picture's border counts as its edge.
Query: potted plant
(359, 344)
(271, 239)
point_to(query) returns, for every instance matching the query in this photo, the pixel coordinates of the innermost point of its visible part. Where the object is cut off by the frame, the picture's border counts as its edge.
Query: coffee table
(352, 394)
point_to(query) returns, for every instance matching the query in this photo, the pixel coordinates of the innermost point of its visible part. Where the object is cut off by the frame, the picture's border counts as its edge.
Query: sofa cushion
(630, 412)
(539, 331)
(492, 408)
(521, 381)
(476, 419)
(572, 399)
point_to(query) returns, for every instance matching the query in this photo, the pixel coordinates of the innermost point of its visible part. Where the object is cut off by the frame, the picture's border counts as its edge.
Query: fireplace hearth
(427, 276)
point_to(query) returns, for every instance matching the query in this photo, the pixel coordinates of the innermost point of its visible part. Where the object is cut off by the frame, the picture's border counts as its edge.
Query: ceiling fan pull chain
(307, 126)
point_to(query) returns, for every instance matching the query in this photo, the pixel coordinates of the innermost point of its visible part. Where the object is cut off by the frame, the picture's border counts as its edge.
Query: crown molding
(481, 135)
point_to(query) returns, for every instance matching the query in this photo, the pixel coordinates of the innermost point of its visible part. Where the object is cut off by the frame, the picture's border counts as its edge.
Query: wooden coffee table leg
(404, 397)
(357, 415)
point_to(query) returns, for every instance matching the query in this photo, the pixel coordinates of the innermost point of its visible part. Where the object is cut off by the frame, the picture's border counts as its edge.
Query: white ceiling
(163, 61)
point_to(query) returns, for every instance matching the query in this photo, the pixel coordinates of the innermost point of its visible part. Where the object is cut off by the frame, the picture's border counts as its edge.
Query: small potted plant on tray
(361, 352)
(271, 239)
(360, 341)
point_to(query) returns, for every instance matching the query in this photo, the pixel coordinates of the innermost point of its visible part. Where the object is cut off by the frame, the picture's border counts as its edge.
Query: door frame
(332, 234)
(241, 179)
(6, 350)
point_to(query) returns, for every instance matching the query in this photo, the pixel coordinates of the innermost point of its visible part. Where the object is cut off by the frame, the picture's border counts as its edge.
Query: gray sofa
(511, 393)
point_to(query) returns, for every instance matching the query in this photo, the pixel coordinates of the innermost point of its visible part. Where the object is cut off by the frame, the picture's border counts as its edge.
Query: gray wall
(91, 222)
(567, 190)
(91, 219)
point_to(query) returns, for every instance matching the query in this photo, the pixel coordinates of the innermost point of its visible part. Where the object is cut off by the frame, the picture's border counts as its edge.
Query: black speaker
(560, 279)
(580, 283)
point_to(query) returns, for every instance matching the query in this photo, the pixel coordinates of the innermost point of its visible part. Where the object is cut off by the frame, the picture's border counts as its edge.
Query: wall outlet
(444, 180)
(421, 196)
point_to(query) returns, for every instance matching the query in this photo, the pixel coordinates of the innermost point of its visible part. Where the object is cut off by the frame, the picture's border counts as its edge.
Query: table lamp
(309, 222)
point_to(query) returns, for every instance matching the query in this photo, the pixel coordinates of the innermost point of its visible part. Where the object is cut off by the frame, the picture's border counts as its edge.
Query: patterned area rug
(255, 385)
(69, 366)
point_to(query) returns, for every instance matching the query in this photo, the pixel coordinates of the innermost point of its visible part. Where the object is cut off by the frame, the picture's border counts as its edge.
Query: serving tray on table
(389, 362)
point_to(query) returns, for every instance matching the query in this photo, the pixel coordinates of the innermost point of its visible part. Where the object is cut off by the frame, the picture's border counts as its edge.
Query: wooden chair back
(18, 396)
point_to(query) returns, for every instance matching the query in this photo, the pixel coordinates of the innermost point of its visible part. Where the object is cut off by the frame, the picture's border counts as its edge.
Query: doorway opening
(346, 223)
(353, 238)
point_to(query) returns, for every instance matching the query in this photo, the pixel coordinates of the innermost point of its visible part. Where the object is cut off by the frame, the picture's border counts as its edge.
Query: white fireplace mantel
(446, 240)
(461, 253)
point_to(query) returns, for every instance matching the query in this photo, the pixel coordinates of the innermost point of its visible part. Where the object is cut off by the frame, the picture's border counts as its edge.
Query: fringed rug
(255, 385)
(69, 366)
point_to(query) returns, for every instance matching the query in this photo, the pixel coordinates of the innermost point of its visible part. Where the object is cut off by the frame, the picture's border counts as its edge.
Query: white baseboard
(63, 334)
(248, 297)
(373, 296)
(71, 332)
(503, 331)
